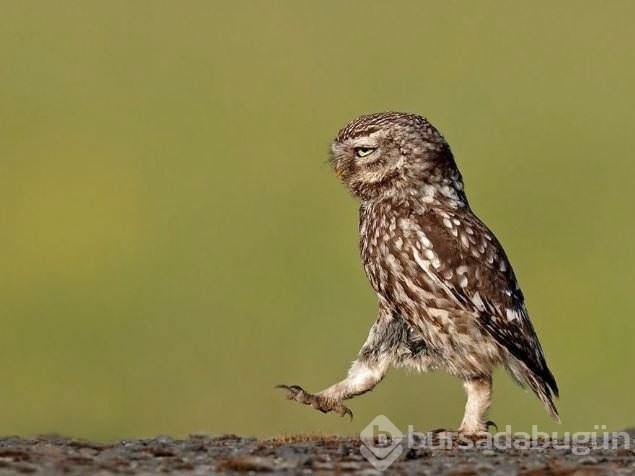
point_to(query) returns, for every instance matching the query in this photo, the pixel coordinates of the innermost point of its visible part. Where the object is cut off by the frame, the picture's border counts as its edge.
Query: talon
(489, 423)
(291, 390)
(345, 411)
(297, 393)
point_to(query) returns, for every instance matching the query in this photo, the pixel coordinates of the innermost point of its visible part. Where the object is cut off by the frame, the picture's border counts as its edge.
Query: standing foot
(476, 429)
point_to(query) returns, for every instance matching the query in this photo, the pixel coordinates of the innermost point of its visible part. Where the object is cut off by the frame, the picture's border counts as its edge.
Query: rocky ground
(202, 454)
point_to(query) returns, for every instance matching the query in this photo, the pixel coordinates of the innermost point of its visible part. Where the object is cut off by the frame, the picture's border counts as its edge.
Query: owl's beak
(337, 168)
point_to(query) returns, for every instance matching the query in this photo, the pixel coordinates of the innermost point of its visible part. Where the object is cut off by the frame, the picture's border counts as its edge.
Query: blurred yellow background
(173, 243)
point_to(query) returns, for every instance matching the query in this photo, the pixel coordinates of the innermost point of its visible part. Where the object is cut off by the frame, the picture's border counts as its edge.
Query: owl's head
(393, 154)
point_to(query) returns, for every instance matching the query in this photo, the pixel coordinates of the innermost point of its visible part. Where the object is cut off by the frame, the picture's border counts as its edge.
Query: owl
(447, 296)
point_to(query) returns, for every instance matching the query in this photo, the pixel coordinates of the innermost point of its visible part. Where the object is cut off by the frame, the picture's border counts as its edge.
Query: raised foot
(317, 401)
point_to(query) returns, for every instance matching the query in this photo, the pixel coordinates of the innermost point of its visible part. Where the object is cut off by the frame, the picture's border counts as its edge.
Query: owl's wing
(463, 257)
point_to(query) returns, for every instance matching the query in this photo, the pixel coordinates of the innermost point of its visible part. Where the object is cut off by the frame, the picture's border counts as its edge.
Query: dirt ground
(202, 454)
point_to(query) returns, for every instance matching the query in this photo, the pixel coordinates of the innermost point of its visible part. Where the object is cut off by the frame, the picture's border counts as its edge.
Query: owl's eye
(363, 151)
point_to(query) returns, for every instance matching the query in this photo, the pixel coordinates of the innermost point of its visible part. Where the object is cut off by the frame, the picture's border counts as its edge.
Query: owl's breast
(388, 236)
(395, 258)
(376, 228)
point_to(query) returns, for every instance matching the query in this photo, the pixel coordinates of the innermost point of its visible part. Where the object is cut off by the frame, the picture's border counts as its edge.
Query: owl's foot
(317, 401)
(473, 432)
(479, 429)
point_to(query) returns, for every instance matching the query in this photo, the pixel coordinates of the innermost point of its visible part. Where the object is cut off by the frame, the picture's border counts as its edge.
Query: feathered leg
(375, 357)
(479, 397)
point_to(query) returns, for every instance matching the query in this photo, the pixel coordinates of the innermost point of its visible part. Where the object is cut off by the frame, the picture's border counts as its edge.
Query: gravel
(304, 454)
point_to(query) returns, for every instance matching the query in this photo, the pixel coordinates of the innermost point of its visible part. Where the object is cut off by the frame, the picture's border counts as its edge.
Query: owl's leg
(479, 397)
(362, 377)
(372, 363)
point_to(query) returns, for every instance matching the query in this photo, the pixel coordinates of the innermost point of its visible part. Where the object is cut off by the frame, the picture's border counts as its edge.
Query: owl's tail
(542, 384)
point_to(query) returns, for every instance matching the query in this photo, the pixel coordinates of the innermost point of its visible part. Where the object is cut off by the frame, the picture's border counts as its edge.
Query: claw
(293, 392)
(297, 393)
(345, 411)
(489, 423)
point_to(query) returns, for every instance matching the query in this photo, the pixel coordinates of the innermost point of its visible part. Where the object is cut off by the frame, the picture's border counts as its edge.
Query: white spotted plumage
(448, 298)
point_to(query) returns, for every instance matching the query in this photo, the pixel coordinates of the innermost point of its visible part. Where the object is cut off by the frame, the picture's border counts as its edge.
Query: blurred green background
(173, 243)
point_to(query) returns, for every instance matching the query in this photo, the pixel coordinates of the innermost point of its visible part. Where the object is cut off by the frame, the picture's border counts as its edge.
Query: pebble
(588, 460)
(326, 466)
(488, 468)
(249, 463)
(369, 472)
(343, 450)
(348, 465)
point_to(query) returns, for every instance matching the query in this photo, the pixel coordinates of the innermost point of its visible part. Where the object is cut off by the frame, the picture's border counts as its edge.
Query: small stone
(488, 452)
(346, 465)
(164, 439)
(369, 472)
(485, 468)
(294, 458)
(248, 463)
(588, 460)
(325, 466)
(343, 450)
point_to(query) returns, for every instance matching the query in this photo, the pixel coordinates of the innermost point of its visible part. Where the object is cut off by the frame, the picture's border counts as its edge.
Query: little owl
(447, 295)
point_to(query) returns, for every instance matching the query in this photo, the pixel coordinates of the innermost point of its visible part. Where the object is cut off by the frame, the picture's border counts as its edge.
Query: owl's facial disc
(365, 162)
(354, 155)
